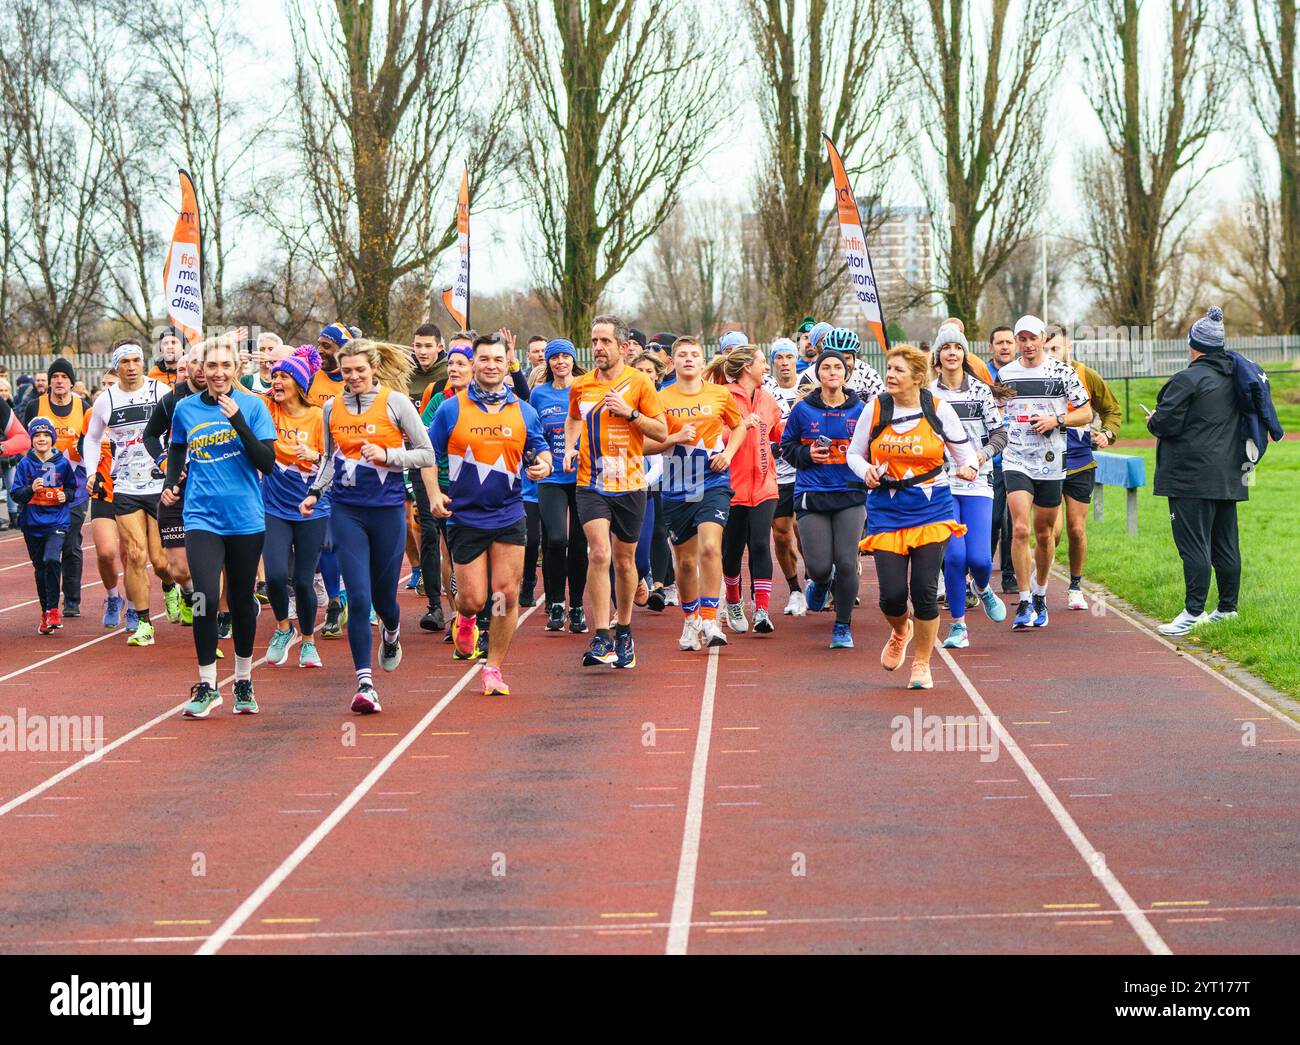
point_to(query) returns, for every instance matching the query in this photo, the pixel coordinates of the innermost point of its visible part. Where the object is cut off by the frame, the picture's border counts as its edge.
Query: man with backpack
(1203, 467)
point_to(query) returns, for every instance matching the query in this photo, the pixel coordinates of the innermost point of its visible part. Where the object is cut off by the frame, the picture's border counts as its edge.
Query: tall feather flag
(861, 275)
(456, 298)
(182, 272)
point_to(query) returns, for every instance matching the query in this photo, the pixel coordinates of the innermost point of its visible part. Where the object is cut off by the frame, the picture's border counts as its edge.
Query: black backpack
(931, 415)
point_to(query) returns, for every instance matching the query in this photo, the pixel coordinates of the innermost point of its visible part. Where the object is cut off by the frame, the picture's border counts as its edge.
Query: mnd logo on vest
(498, 431)
(355, 428)
(102, 999)
(694, 410)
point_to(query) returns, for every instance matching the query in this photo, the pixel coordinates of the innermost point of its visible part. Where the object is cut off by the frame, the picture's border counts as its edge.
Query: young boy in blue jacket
(44, 484)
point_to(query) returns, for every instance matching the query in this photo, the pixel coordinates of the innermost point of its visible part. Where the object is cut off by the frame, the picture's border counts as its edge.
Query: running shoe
(203, 698)
(131, 619)
(641, 596)
(336, 619)
(1024, 616)
(795, 606)
(56, 618)
(655, 600)
(670, 595)
(481, 647)
(259, 592)
(307, 655)
(113, 607)
(957, 636)
(736, 617)
(465, 632)
(527, 597)
(763, 623)
(896, 648)
(1010, 586)
(1183, 623)
(493, 684)
(245, 702)
(433, 620)
(390, 653)
(1040, 611)
(690, 637)
(601, 651)
(1075, 600)
(1219, 615)
(450, 635)
(223, 626)
(841, 636)
(187, 609)
(142, 636)
(815, 597)
(577, 621)
(366, 702)
(555, 617)
(413, 581)
(71, 609)
(994, 608)
(625, 649)
(322, 596)
(277, 652)
(972, 599)
(45, 627)
(711, 634)
(920, 677)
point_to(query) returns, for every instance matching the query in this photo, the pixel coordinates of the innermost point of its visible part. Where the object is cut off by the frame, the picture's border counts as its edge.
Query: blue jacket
(1258, 415)
(823, 487)
(57, 471)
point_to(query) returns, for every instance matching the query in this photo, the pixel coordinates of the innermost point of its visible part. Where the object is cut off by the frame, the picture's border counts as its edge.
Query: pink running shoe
(493, 684)
(366, 702)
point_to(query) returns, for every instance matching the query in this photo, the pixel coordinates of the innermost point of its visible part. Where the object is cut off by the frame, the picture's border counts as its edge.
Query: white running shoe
(670, 595)
(736, 617)
(1219, 615)
(690, 639)
(1076, 600)
(796, 606)
(1183, 623)
(711, 634)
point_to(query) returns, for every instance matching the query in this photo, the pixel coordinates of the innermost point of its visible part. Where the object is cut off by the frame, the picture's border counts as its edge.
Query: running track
(1123, 814)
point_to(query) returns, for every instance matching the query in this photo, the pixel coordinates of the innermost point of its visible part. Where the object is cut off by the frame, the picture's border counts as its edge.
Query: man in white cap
(1049, 398)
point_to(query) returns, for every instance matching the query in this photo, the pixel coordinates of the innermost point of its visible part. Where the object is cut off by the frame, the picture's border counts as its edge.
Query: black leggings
(564, 555)
(830, 545)
(208, 554)
(661, 552)
(749, 528)
(926, 564)
(533, 514)
(299, 542)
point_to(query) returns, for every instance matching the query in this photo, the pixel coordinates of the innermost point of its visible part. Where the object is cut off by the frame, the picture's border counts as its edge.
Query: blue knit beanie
(560, 346)
(1207, 334)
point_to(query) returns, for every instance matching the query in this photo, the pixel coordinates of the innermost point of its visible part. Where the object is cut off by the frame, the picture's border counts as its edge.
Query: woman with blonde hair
(897, 450)
(373, 433)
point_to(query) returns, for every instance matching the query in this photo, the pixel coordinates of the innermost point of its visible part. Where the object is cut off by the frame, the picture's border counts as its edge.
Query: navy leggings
(370, 543)
(299, 541)
(973, 553)
(46, 552)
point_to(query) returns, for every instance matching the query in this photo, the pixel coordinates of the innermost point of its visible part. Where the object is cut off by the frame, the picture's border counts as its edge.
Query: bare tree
(982, 100)
(1018, 288)
(624, 98)
(819, 70)
(1266, 51)
(389, 104)
(691, 278)
(1137, 191)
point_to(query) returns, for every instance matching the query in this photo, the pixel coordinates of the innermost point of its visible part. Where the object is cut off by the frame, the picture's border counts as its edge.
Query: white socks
(208, 674)
(243, 668)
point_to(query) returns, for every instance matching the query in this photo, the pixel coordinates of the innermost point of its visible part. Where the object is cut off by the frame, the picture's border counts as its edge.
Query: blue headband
(560, 346)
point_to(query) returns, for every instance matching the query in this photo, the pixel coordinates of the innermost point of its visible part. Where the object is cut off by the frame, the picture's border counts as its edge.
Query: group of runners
(647, 481)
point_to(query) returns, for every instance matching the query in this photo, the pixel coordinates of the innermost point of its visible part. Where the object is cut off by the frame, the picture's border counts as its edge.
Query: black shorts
(683, 518)
(171, 525)
(467, 543)
(1078, 487)
(625, 512)
(130, 503)
(784, 502)
(1046, 492)
(100, 509)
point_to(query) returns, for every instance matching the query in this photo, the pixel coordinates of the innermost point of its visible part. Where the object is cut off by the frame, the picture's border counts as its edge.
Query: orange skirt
(900, 542)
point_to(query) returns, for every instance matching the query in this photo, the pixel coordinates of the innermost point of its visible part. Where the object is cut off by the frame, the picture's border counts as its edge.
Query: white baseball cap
(1030, 325)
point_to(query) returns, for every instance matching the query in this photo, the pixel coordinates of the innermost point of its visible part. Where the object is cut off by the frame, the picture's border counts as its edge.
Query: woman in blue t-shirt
(564, 551)
(222, 438)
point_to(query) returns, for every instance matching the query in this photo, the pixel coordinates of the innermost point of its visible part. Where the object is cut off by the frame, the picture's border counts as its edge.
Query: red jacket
(753, 469)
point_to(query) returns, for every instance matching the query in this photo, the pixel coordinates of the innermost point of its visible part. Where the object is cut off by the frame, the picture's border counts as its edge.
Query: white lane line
(33, 602)
(305, 848)
(1094, 860)
(116, 633)
(96, 756)
(679, 930)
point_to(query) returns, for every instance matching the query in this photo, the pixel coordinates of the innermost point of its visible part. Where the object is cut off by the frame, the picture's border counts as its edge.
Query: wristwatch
(1060, 422)
(633, 416)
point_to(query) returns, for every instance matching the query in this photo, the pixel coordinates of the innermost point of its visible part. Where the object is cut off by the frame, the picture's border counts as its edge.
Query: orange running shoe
(896, 648)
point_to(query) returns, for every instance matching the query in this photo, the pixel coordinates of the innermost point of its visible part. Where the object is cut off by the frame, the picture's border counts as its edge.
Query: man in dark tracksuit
(1200, 459)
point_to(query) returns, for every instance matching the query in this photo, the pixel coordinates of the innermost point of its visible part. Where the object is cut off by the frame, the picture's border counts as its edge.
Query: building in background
(902, 259)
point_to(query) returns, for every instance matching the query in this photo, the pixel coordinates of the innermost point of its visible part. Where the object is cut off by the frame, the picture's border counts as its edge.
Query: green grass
(1286, 397)
(1145, 570)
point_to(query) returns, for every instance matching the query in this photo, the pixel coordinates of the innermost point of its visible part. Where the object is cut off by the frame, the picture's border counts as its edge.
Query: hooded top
(41, 511)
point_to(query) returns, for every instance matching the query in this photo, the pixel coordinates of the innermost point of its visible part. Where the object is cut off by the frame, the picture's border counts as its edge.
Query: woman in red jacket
(753, 480)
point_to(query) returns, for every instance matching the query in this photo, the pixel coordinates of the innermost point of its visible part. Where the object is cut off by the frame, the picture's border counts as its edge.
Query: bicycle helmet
(841, 339)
